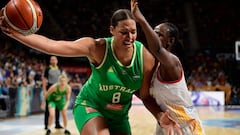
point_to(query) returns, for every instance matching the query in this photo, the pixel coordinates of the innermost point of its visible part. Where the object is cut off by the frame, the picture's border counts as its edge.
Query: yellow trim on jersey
(183, 117)
(133, 56)
(105, 55)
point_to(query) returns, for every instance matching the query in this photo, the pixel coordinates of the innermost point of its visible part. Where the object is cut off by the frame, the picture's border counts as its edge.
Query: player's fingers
(177, 126)
(168, 131)
(5, 30)
(132, 7)
(167, 113)
(136, 3)
(0, 23)
(171, 131)
(191, 124)
(179, 131)
(133, 4)
(4, 27)
(1, 12)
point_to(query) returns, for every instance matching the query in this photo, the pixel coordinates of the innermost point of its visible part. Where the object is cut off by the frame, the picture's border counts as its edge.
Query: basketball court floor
(216, 121)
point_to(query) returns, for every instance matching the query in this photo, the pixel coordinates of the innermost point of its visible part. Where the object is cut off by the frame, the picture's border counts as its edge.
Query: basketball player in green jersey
(58, 96)
(121, 67)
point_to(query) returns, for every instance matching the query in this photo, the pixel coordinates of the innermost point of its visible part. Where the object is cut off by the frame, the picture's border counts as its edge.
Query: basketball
(24, 16)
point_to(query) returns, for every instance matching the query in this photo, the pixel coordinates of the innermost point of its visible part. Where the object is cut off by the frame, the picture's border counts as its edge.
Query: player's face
(125, 32)
(162, 32)
(63, 81)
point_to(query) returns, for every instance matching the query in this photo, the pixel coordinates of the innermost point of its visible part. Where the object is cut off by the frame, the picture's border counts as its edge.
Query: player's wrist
(159, 115)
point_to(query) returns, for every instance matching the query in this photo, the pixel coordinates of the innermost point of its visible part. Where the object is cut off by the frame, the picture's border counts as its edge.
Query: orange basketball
(24, 16)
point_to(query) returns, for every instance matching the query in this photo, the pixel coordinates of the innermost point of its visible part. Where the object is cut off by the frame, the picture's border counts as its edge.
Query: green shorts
(59, 104)
(115, 126)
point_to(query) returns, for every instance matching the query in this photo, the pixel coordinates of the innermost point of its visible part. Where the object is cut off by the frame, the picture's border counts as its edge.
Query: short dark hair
(177, 47)
(173, 30)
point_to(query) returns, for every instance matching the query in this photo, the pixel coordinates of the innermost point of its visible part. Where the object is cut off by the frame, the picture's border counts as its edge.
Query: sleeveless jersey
(58, 94)
(111, 85)
(175, 97)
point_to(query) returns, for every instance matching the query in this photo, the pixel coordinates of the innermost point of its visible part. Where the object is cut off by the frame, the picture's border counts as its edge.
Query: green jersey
(58, 94)
(111, 84)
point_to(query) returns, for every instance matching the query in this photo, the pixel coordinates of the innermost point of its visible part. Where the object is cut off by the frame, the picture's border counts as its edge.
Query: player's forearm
(67, 104)
(153, 107)
(34, 41)
(44, 85)
(153, 41)
(45, 96)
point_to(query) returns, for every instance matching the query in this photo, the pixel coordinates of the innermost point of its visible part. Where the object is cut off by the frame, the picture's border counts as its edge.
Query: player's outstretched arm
(81, 47)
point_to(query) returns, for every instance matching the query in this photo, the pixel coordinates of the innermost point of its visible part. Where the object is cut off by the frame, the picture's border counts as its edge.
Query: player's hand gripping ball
(24, 16)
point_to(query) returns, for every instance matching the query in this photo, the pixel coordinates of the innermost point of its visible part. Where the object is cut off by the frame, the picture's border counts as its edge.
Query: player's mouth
(127, 43)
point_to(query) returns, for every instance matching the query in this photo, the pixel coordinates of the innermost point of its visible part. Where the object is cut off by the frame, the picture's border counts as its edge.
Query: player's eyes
(133, 32)
(126, 33)
(123, 33)
(159, 34)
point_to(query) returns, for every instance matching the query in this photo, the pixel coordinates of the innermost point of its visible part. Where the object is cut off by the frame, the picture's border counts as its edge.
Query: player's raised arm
(155, 45)
(153, 41)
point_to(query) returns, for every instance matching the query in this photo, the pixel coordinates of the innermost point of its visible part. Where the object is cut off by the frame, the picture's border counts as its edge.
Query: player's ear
(171, 40)
(111, 29)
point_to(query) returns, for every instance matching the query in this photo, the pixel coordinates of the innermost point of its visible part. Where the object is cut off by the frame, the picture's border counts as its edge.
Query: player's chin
(128, 45)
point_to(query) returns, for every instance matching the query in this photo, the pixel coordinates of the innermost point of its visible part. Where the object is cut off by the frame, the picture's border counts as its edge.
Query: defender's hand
(169, 124)
(135, 11)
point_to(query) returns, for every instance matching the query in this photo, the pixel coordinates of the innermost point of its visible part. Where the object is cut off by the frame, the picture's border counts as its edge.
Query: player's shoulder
(147, 54)
(149, 59)
(101, 41)
(68, 86)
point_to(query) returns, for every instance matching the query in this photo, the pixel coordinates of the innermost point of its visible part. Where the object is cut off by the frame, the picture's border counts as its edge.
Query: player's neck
(53, 66)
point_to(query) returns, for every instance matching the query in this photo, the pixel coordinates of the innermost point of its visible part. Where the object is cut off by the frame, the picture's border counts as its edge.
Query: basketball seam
(30, 30)
(20, 13)
(34, 27)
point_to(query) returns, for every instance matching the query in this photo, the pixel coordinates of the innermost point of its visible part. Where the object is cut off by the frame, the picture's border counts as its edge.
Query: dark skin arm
(171, 68)
(157, 49)
(149, 102)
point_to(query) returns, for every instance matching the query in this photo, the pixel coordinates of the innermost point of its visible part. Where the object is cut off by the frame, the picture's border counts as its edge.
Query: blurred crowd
(19, 68)
(212, 73)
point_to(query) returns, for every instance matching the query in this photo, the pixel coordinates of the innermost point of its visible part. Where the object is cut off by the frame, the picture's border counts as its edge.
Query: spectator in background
(76, 83)
(235, 96)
